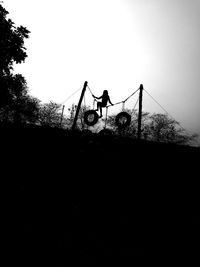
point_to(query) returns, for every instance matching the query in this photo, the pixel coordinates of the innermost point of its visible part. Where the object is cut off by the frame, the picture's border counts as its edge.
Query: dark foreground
(89, 200)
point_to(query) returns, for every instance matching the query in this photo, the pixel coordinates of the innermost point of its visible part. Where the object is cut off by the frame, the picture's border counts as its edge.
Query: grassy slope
(70, 197)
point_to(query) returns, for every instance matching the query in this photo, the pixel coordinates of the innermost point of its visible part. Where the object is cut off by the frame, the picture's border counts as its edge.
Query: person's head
(105, 92)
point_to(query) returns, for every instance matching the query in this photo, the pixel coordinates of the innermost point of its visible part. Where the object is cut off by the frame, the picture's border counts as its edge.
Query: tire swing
(123, 119)
(91, 117)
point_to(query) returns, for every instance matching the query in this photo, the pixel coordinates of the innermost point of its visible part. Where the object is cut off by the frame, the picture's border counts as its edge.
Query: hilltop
(92, 198)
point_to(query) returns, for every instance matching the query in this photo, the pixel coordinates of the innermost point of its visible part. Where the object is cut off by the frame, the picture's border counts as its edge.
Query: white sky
(114, 45)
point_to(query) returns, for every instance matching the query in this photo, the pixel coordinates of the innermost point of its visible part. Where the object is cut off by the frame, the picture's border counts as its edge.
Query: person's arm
(110, 101)
(97, 97)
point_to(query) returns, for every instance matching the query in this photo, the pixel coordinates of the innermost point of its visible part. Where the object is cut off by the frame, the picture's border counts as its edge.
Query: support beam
(79, 105)
(140, 112)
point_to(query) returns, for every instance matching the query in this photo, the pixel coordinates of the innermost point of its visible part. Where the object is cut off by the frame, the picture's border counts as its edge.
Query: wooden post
(62, 116)
(140, 112)
(79, 105)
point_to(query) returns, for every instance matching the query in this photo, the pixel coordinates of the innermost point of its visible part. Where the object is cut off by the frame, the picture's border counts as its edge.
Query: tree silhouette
(81, 125)
(155, 127)
(163, 128)
(15, 103)
(131, 130)
(50, 114)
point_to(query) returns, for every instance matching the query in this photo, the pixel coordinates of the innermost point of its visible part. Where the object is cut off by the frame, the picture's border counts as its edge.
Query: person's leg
(97, 106)
(100, 107)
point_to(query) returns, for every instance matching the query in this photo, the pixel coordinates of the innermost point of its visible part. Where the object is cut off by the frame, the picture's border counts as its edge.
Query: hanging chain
(94, 103)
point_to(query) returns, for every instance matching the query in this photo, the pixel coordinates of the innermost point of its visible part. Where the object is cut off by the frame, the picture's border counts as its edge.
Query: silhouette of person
(105, 99)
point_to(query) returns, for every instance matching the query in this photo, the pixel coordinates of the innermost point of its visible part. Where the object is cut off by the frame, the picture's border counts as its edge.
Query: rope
(123, 105)
(136, 103)
(131, 95)
(70, 96)
(124, 100)
(115, 104)
(92, 96)
(106, 117)
(90, 90)
(84, 101)
(134, 106)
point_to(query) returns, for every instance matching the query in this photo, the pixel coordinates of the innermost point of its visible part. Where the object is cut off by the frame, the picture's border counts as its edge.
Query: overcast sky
(114, 45)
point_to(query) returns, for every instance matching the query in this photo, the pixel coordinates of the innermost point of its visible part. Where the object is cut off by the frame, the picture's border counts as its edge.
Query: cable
(165, 110)
(158, 103)
(189, 135)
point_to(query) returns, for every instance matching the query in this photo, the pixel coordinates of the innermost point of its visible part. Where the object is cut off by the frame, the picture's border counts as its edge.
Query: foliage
(50, 114)
(11, 43)
(131, 130)
(15, 103)
(155, 127)
(20, 106)
(70, 117)
(80, 121)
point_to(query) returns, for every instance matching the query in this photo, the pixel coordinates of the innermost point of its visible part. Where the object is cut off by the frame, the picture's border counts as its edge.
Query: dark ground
(89, 200)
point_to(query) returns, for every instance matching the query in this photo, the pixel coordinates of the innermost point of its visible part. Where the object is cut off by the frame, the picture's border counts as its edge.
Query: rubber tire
(119, 116)
(87, 114)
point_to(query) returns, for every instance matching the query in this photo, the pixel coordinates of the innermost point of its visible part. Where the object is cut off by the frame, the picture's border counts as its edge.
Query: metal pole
(79, 105)
(62, 116)
(140, 112)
